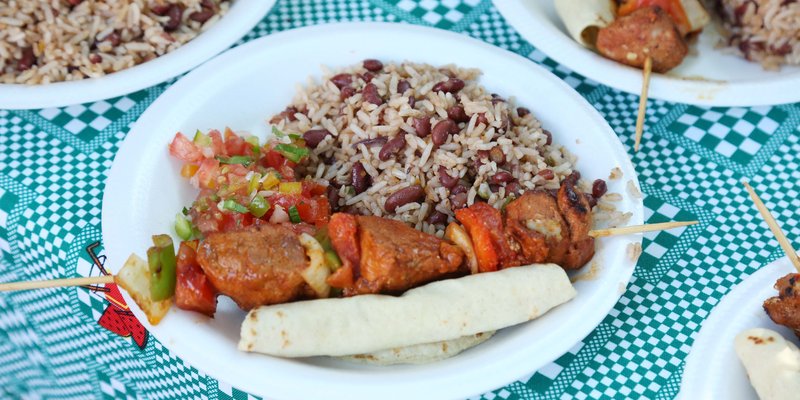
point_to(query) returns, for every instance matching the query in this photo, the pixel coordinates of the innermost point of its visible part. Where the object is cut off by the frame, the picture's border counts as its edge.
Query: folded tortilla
(435, 312)
(421, 353)
(772, 363)
(584, 18)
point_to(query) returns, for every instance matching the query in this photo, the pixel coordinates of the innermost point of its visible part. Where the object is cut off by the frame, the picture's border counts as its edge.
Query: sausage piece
(395, 257)
(784, 309)
(646, 31)
(255, 267)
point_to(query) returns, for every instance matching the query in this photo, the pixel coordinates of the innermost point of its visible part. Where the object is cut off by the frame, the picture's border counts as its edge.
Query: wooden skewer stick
(25, 285)
(774, 227)
(626, 230)
(648, 67)
(93, 280)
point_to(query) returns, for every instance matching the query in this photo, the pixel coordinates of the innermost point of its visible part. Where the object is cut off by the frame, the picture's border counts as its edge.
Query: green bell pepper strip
(259, 206)
(244, 160)
(291, 152)
(162, 264)
(183, 227)
(232, 205)
(294, 215)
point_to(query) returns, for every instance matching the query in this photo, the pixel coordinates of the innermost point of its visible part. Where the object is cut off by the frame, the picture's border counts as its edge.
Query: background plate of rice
(709, 75)
(204, 41)
(244, 87)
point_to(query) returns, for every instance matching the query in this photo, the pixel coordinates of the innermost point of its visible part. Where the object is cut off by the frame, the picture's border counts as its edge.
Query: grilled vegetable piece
(258, 266)
(784, 309)
(577, 212)
(161, 262)
(646, 32)
(394, 257)
(193, 290)
(485, 225)
(134, 277)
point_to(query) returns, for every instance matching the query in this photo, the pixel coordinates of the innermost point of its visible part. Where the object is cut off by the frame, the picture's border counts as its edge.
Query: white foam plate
(708, 76)
(246, 85)
(713, 370)
(242, 16)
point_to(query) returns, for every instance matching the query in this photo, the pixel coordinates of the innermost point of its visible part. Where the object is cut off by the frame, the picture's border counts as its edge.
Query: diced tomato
(235, 145)
(208, 173)
(273, 159)
(193, 291)
(314, 211)
(311, 188)
(233, 220)
(237, 169)
(217, 145)
(183, 149)
(343, 231)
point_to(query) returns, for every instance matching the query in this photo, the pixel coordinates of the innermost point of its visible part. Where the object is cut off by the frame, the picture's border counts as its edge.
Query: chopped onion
(316, 274)
(279, 216)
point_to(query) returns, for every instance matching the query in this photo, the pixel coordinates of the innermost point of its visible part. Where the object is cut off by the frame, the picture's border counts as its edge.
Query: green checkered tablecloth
(76, 343)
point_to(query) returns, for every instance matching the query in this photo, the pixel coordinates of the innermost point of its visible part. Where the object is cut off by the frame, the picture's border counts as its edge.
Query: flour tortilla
(772, 363)
(421, 353)
(435, 312)
(584, 18)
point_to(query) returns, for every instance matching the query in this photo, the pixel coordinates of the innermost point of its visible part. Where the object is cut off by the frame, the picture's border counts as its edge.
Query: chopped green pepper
(231, 204)
(162, 264)
(183, 227)
(259, 206)
(294, 215)
(291, 152)
(255, 182)
(244, 160)
(332, 260)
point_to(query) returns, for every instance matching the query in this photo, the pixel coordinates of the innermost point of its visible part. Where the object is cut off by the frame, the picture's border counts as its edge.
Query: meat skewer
(648, 66)
(93, 280)
(783, 309)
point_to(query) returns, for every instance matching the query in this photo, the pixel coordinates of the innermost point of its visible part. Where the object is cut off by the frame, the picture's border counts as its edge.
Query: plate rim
(563, 49)
(148, 118)
(694, 382)
(218, 38)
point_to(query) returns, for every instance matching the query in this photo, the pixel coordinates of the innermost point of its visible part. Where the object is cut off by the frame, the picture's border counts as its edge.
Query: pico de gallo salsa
(241, 183)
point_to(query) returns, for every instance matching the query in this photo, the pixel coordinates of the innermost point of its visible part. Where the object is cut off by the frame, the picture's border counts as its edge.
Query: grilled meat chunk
(255, 267)
(535, 223)
(393, 257)
(784, 309)
(577, 212)
(646, 32)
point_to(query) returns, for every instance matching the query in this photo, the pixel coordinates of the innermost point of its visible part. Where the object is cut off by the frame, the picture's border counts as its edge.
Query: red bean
(445, 179)
(175, 13)
(346, 93)
(461, 187)
(370, 94)
(402, 86)
(361, 180)
(496, 155)
(392, 147)
(482, 119)
(342, 80)
(522, 111)
(202, 15)
(441, 131)
(411, 194)
(422, 125)
(412, 101)
(95, 58)
(501, 177)
(547, 174)
(513, 188)
(437, 218)
(373, 65)
(458, 200)
(160, 9)
(314, 136)
(333, 197)
(113, 38)
(456, 113)
(599, 188)
(549, 136)
(367, 76)
(27, 60)
(497, 99)
(74, 2)
(451, 85)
